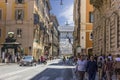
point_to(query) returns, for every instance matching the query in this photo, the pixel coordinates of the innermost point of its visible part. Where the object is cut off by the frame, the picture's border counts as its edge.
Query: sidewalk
(75, 76)
(3, 64)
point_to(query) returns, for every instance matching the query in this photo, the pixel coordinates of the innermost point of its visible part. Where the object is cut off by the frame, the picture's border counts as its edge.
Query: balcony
(96, 3)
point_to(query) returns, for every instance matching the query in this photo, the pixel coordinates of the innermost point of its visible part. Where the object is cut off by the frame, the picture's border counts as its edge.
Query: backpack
(99, 64)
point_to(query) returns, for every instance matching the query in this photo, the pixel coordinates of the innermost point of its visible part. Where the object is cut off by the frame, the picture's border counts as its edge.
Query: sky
(63, 12)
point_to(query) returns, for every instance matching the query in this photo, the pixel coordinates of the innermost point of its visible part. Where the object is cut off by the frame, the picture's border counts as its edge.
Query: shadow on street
(55, 71)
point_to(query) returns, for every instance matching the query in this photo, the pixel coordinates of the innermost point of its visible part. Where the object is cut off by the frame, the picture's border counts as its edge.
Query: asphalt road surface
(54, 70)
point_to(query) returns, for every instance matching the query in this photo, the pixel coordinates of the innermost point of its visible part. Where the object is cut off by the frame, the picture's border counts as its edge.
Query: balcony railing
(96, 3)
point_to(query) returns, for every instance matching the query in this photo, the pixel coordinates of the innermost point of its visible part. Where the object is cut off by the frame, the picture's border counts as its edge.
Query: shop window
(19, 14)
(19, 32)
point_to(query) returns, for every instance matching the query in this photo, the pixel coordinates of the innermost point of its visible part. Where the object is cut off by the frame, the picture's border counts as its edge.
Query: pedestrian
(64, 59)
(81, 67)
(96, 57)
(101, 56)
(117, 58)
(110, 57)
(3, 57)
(92, 68)
(100, 68)
(104, 71)
(117, 66)
(42, 59)
(109, 69)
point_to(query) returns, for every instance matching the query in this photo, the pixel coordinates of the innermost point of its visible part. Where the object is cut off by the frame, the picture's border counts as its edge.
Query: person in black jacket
(92, 68)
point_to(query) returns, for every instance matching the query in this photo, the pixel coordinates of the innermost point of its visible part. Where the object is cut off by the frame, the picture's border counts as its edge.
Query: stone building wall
(106, 28)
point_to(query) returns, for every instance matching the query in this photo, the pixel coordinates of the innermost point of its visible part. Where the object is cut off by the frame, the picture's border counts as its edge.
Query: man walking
(91, 68)
(81, 67)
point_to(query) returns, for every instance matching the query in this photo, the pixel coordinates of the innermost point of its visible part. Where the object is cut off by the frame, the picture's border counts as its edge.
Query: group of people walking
(89, 66)
(10, 58)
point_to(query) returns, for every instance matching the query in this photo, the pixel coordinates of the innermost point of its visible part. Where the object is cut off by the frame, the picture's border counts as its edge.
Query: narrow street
(54, 70)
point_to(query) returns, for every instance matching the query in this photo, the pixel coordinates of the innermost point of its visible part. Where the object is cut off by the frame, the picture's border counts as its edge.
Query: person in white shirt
(100, 57)
(117, 58)
(81, 67)
(110, 57)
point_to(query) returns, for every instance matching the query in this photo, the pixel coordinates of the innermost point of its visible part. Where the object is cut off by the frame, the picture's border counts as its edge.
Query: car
(27, 60)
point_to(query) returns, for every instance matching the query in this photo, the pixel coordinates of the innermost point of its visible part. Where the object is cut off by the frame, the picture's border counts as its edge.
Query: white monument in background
(66, 39)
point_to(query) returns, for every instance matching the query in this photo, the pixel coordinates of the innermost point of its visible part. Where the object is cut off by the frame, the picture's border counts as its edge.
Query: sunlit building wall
(29, 20)
(54, 50)
(83, 19)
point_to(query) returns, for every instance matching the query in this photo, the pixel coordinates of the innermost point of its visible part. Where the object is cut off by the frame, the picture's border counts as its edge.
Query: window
(0, 32)
(0, 14)
(91, 17)
(20, 1)
(91, 36)
(19, 14)
(19, 32)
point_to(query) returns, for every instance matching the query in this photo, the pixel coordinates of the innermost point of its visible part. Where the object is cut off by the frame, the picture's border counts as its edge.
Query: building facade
(106, 28)
(66, 40)
(84, 22)
(54, 36)
(29, 20)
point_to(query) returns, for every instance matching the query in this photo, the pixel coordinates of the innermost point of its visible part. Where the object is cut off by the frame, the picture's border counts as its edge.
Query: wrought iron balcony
(96, 3)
